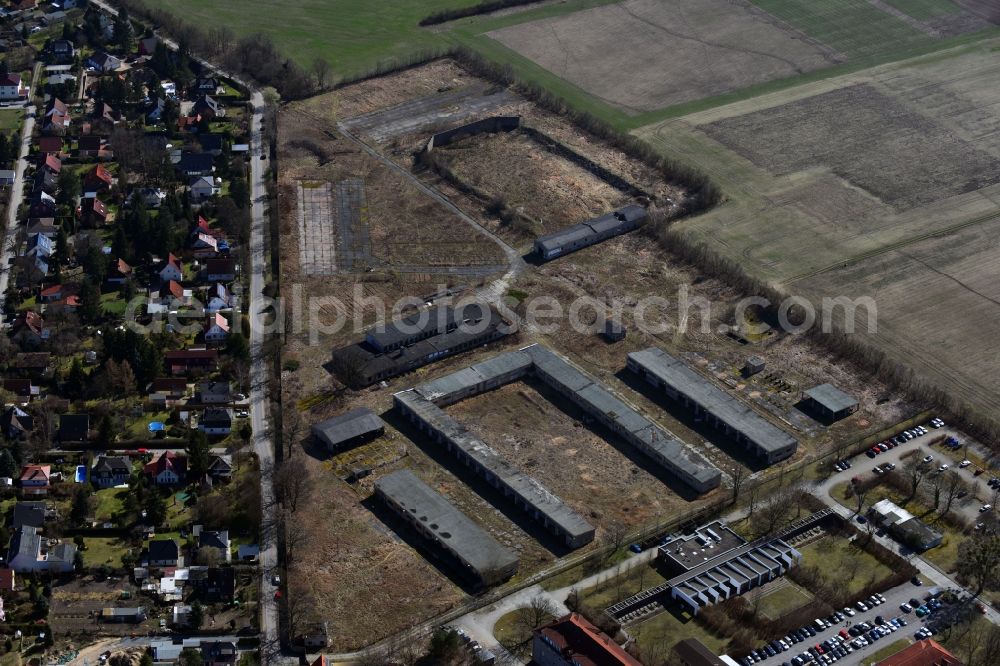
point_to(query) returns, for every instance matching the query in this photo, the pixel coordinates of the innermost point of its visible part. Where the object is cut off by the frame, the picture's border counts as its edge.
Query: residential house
(92, 147)
(98, 179)
(8, 582)
(248, 552)
(11, 87)
(30, 552)
(195, 164)
(219, 298)
(52, 163)
(41, 246)
(53, 80)
(68, 304)
(32, 364)
(213, 584)
(188, 123)
(171, 269)
(162, 553)
(28, 330)
(155, 111)
(74, 428)
(42, 203)
(207, 85)
(184, 361)
(7, 177)
(166, 390)
(167, 469)
(62, 50)
(24, 389)
(16, 422)
(93, 211)
(219, 653)
(204, 187)
(45, 181)
(221, 269)
(217, 541)
(50, 145)
(214, 393)
(212, 143)
(221, 468)
(119, 273)
(111, 471)
(102, 61)
(107, 113)
(208, 108)
(34, 480)
(216, 421)
(51, 294)
(57, 118)
(43, 225)
(172, 294)
(204, 246)
(28, 514)
(147, 46)
(153, 197)
(217, 328)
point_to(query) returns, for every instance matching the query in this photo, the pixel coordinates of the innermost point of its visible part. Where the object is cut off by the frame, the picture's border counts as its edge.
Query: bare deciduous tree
(979, 561)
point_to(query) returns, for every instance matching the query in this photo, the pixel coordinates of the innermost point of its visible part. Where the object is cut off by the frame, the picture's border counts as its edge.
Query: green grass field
(842, 563)
(784, 599)
(352, 34)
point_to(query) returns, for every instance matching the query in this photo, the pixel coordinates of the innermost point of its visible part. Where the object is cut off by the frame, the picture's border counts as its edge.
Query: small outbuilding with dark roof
(348, 429)
(829, 402)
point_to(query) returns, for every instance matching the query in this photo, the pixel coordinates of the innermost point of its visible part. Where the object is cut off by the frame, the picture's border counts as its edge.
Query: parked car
(928, 459)
(905, 607)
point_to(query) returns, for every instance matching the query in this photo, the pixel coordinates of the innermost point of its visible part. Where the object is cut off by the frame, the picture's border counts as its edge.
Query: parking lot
(888, 610)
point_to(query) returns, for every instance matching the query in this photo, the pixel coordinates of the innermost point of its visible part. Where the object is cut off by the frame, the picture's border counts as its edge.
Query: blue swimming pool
(81, 473)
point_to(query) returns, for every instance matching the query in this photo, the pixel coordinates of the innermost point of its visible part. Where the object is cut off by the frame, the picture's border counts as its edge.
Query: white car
(943, 468)
(986, 507)
(850, 612)
(928, 459)
(964, 463)
(862, 606)
(905, 607)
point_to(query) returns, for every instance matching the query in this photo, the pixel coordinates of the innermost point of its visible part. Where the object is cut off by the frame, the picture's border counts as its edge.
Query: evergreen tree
(80, 508)
(197, 615)
(90, 303)
(198, 451)
(76, 381)
(8, 466)
(156, 508)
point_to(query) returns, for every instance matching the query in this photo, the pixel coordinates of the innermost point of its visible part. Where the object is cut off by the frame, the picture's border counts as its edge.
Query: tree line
(485, 7)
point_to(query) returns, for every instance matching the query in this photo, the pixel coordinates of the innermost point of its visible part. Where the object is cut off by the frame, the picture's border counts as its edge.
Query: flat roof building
(904, 526)
(829, 402)
(591, 232)
(476, 553)
(348, 429)
(682, 383)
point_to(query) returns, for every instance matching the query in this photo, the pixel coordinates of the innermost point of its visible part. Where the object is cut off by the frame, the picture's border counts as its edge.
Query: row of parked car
(780, 645)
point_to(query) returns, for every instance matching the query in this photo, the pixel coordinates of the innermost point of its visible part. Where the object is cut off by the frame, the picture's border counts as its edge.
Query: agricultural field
(642, 55)
(848, 203)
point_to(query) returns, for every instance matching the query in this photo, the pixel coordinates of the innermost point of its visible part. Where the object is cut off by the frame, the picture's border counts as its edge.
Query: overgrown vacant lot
(869, 138)
(546, 189)
(642, 55)
(812, 229)
(593, 471)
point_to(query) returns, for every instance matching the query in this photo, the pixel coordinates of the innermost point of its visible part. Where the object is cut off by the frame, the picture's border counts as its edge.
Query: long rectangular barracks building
(681, 382)
(591, 232)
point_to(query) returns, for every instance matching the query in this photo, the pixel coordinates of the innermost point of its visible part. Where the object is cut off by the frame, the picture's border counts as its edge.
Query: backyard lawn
(842, 563)
(103, 550)
(108, 502)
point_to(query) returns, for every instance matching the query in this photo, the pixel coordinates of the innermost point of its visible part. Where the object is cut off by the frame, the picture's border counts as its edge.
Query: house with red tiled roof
(98, 179)
(57, 118)
(34, 479)
(573, 641)
(186, 360)
(926, 652)
(217, 328)
(50, 145)
(29, 329)
(167, 469)
(51, 294)
(120, 272)
(171, 269)
(52, 163)
(171, 289)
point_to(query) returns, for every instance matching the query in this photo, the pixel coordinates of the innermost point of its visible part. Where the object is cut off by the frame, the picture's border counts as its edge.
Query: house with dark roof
(222, 269)
(184, 361)
(206, 85)
(74, 428)
(111, 471)
(16, 422)
(208, 108)
(93, 211)
(213, 584)
(29, 329)
(11, 87)
(50, 145)
(62, 50)
(214, 393)
(165, 390)
(221, 468)
(195, 164)
(217, 541)
(24, 389)
(28, 514)
(162, 553)
(216, 421)
(32, 364)
(102, 61)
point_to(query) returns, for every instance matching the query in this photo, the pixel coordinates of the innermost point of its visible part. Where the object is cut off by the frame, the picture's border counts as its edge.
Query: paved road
(16, 196)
